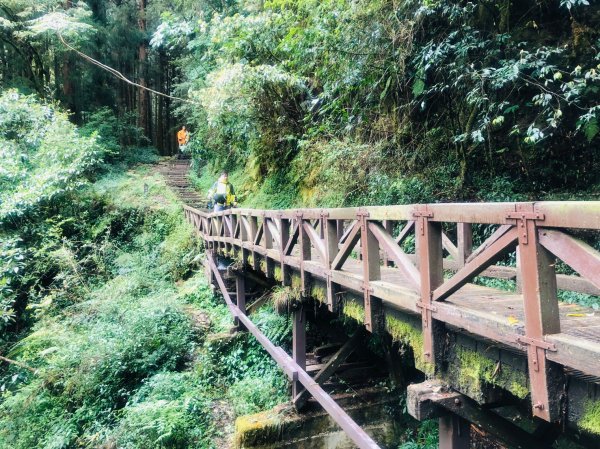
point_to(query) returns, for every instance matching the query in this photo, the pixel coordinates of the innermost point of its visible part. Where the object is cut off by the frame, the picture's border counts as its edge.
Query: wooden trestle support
(361, 250)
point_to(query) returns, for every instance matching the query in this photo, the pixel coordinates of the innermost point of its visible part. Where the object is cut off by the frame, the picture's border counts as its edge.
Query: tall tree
(144, 109)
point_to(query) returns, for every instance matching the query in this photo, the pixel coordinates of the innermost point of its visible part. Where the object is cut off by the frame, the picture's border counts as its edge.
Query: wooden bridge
(417, 264)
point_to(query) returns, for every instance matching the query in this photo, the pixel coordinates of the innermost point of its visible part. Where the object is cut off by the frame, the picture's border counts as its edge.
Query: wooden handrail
(530, 226)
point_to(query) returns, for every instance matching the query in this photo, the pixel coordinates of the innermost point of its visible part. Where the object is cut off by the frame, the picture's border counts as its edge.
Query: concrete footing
(374, 410)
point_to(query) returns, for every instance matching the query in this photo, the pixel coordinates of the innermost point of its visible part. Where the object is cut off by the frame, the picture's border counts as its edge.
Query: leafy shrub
(168, 411)
(254, 394)
(43, 154)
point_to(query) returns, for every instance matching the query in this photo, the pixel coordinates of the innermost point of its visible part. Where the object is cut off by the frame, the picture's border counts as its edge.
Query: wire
(118, 74)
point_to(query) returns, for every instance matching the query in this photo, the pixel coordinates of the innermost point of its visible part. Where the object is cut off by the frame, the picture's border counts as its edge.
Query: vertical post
(240, 294)
(389, 228)
(541, 312)
(244, 236)
(253, 231)
(331, 241)
(299, 345)
(332, 248)
(430, 253)
(454, 432)
(519, 278)
(284, 237)
(371, 272)
(340, 229)
(267, 233)
(234, 223)
(464, 240)
(305, 253)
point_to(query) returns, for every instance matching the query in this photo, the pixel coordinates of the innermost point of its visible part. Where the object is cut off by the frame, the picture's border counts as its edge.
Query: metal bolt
(457, 402)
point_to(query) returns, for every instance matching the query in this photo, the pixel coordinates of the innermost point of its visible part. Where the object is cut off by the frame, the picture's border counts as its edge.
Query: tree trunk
(67, 82)
(143, 95)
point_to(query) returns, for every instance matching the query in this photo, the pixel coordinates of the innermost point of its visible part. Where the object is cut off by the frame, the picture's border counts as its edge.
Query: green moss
(354, 310)
(412, 336)
(254, 429)
(319, 292)
(296, 282)
(283, 299)
(473, 371)
(591, 417)
(278, 274)
(519, 389)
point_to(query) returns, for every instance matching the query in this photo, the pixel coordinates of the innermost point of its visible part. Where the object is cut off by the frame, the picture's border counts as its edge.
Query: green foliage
(111, 132)
(255, 394)
(119, 354)
(43, 155)
(396, 102)
(425, 437)
(169, 410)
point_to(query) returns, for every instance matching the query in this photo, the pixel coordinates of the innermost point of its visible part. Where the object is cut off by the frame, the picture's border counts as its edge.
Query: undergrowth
(117, 356)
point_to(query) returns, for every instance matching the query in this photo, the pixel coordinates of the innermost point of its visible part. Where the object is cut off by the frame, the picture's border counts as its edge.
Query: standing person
(222, 193)
(183, 137)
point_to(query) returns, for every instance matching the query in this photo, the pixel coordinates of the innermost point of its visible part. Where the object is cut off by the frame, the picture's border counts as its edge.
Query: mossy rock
(259, 428)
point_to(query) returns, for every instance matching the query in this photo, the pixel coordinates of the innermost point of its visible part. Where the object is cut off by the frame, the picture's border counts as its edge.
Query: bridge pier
(240, 295)
(455, 432)
(299, 345)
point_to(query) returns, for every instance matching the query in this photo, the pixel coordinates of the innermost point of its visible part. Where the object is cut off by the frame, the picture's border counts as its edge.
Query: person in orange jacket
(183, 137)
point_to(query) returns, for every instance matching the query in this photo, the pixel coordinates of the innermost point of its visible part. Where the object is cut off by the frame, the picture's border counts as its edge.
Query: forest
(106, 318)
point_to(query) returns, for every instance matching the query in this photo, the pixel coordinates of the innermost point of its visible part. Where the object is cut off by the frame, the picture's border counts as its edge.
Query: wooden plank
(240, 294)
(258, 235)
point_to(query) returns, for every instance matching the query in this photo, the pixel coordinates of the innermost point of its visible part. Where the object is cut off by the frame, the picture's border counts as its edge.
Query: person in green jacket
(222, 193)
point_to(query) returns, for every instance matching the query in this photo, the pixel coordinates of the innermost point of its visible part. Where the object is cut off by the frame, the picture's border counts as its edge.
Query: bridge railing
(352, 247)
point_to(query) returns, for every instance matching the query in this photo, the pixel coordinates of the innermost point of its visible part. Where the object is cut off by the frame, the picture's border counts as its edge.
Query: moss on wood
(278, 274)
(473, 373)
(354, 310)
(319, 292)
(409, 334)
